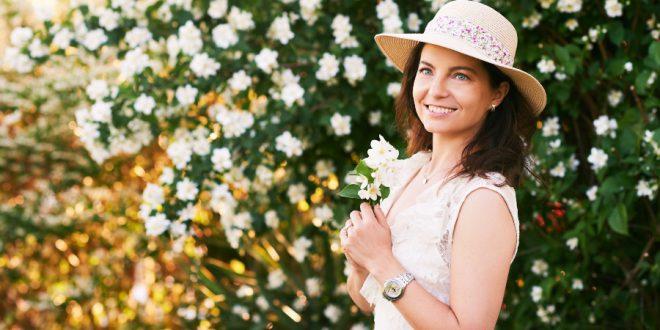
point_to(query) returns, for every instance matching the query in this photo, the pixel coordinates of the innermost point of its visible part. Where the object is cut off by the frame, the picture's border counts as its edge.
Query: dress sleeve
(507, 193)
(370, 289)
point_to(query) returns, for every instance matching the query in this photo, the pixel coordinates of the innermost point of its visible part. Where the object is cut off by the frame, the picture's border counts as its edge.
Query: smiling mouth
(439, 110)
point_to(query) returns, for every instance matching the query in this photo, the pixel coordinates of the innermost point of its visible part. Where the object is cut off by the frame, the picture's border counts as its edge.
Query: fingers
(356, 218)
(380, 216)
(367, 212)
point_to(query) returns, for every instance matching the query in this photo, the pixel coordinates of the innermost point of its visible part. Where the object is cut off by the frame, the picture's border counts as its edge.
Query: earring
(492, 108)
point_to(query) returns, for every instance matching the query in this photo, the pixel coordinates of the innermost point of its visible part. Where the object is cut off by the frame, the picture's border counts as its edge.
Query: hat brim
(398, 46)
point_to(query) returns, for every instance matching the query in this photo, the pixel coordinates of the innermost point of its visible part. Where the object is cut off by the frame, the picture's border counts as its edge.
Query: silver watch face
(392, 288)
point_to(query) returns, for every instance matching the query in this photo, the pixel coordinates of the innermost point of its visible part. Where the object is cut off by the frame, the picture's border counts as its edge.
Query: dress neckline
(424, 157)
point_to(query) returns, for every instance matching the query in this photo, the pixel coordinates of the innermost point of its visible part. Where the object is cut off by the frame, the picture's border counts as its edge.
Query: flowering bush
(256, 105)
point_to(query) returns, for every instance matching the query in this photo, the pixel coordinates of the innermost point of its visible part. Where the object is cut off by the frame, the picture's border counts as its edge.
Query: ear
(500, 93)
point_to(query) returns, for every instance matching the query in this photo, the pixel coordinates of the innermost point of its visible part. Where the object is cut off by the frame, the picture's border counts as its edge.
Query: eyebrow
(453, 68)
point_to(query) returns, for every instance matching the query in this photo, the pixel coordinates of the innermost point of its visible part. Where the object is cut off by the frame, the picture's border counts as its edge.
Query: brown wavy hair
(501, 144)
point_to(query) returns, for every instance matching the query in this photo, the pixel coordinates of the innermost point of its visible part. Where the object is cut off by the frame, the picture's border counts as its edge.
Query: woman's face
(452, 92)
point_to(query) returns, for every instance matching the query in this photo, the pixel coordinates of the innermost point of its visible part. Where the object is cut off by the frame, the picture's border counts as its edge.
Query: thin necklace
(427, 176)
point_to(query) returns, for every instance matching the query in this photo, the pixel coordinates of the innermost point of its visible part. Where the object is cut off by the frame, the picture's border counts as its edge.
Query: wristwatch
(393, 288)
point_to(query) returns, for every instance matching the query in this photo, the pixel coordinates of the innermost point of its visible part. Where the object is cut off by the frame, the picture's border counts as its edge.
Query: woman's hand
(367, 240)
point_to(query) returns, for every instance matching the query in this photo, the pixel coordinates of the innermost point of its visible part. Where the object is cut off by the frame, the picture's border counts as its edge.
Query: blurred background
(176, 163)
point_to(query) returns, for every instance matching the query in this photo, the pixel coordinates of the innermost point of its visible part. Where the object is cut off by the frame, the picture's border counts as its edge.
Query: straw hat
(473, 29)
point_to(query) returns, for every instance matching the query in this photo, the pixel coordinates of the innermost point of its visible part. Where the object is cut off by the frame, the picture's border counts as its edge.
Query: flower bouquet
(375, 175)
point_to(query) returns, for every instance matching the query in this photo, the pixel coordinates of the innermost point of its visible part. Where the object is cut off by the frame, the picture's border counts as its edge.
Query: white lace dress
(422, 236)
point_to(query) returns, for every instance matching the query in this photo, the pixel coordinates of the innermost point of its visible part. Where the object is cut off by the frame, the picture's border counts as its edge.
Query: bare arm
(354, 283)
(484, 241)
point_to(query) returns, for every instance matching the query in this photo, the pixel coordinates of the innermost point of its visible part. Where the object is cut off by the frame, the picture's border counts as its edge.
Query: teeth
(435, 109)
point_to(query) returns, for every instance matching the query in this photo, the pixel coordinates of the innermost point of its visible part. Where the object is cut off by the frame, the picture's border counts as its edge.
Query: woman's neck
(446, 152)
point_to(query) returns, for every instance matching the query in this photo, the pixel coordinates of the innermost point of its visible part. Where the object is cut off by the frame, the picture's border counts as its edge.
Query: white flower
(540, 267)
(392, 24)
(614, 97)
(217, 8)
(235, 122)
(532, 20)
(167, 176)
(370, 192)
(288, 144)
(204, 66)
(613, 8)
(546, 66)
(573, 162)
(20, 36)
(137, 36)
(292, 93)
(153, 194)
(280, 30)
(551, 127)
(97, 89)
(393, 89)
(62, 38)
(240, 20)
(109, 19)
(266, 60)
(559, 170)
(354, 69)
(554, 144)
(37, 49)
(324, 168)
(186, 190)
(646, 189)
(221, 159)
(296, 193)
(597, 158)
(139, 293)
(569, 6)
(332, 312)
(328, 67)
(628, 66)
(380, 152)
(374, 117)
(190, 39)
(313, 286)
(271, 219)
(239, 81)
(156, 224)
(93, 39)
(323, 213)
(102, 112)
(224, 36)
(275, 279)
(605, 126)
(308, 10)
(413, 22)
(300, 247)
(341, 125)
(577, 284)
(560, 76)
(387, 8)
(186, 95)
(179, 152)
(537, 292)
(262, 303)
(144, 104)
(134, 62)
(571, 24)
(341, 30)
(572, 243)
(591, 193)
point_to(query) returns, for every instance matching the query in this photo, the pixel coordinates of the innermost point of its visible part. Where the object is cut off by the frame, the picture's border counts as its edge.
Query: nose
(438, 88)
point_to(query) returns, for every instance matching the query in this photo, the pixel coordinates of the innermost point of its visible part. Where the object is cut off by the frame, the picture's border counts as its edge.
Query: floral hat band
(474, 34)
(476, 30)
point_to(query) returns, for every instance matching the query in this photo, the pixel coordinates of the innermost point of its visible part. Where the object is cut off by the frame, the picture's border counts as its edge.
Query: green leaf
(612, 184)
(365, 170)
(615, 32)
(384, 192)
(654, 52)
(618, 219)
(350, 191)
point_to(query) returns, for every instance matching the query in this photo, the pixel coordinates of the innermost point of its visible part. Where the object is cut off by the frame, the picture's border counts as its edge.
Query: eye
(461, 76)
(422, 70)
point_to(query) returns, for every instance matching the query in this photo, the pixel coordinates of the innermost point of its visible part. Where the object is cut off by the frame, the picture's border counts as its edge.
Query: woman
(451, 228)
